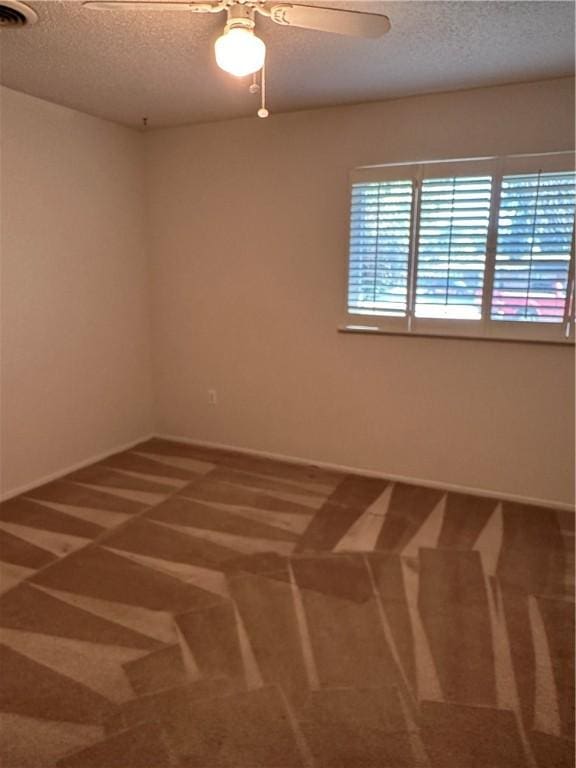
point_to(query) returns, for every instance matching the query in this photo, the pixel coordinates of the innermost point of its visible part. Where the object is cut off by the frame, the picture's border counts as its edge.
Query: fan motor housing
(15, 15)
(240, 16)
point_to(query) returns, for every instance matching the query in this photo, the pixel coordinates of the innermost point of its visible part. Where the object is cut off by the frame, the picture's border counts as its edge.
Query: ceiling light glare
(240, 52)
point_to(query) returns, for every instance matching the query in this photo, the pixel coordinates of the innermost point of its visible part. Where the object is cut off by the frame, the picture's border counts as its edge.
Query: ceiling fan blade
(336, 20)
(145, 5)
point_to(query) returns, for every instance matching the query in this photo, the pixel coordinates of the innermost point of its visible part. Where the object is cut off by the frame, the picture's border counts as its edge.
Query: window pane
(379, 248)
(454, 217)
(535, 229)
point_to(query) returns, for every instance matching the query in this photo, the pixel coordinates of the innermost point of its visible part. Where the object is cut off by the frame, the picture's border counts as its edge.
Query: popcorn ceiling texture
(125, 66)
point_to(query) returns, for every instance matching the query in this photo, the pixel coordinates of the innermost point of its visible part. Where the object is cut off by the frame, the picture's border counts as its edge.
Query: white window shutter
(453, 231)
(534, 246)
(380, 225)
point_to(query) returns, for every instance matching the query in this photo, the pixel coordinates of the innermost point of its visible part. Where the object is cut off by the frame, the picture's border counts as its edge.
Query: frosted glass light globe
(239, 52)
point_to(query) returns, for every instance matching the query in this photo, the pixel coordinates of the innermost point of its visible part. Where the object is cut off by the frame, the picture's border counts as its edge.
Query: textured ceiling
(123, 66)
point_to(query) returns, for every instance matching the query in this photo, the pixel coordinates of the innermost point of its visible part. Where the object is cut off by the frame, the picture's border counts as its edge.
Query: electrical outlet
(212, 397)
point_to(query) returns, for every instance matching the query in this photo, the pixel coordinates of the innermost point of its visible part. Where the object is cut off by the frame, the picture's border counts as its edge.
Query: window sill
(368, 330)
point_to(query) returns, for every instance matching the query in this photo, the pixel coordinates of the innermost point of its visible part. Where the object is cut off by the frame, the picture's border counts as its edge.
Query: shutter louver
(535, 231)
(381, 216)
(454, 219)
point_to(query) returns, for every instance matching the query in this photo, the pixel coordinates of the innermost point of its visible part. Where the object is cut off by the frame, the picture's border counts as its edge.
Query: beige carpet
(178, 606)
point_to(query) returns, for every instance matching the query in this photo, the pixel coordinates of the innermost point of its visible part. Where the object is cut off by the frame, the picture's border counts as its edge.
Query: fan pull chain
(254, 86)
(263, 112)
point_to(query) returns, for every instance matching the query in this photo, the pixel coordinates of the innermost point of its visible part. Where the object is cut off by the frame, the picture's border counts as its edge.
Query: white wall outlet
(212, 397)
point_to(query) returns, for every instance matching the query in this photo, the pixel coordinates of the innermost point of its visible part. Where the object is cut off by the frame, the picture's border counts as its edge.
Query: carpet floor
(176, 606)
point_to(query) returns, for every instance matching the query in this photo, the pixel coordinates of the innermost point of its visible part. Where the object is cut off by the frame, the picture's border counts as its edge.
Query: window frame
(485, 327)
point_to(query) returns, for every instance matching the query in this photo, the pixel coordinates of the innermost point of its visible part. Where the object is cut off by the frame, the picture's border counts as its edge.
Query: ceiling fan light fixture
(239, 52)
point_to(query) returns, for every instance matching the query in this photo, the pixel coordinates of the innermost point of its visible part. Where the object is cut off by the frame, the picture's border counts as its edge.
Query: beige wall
(75, 315)
(248, 227)
(249, 234)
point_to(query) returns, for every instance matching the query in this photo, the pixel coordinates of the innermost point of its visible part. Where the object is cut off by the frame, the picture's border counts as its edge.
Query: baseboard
(492, 494)
(293, 460)
(72, 468)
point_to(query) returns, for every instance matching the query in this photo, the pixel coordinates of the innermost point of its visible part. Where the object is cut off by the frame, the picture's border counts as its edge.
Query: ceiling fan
(238, 50)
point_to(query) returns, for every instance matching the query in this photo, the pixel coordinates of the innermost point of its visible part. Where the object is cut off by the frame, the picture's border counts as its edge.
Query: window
(483, 248)
(452, 238)
(380, 247)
